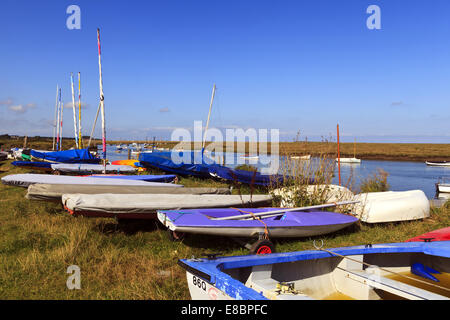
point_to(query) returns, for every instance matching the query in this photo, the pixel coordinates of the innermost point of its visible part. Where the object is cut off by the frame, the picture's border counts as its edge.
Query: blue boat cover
(66, 156)
(194, 164)
(247, 177)
(179, 162)
(32, 164)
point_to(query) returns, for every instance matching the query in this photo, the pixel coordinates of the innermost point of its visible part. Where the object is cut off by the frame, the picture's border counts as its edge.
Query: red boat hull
(436, 235)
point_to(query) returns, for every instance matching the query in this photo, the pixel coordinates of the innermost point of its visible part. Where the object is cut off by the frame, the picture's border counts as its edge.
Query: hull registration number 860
(199, 283)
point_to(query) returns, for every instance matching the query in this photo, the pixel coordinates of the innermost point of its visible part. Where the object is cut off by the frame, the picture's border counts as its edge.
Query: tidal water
(402, 175)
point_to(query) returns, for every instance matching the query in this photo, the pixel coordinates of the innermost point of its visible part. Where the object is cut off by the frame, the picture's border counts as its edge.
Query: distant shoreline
(413, 152)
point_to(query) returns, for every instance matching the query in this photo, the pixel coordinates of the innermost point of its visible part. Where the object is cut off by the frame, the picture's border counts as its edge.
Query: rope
(266, 228)
(383, 269)
(180, 214)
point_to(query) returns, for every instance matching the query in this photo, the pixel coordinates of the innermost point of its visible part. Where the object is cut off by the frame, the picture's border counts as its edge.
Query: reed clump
(377, 182)
(308, 182)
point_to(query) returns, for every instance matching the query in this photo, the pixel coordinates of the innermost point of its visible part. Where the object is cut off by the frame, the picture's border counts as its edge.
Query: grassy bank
(39, 241)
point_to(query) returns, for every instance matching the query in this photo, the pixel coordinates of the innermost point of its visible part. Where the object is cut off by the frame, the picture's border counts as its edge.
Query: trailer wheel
(175, 236)
(262, 247)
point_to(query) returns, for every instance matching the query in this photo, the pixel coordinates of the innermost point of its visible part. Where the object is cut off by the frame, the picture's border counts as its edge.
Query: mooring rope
(266, 228)
(383, 269)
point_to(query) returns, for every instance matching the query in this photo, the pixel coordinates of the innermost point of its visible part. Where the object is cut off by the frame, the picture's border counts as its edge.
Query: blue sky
(289, 65)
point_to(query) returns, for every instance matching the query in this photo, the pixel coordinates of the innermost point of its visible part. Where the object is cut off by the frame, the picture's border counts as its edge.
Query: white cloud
(7, 102)
(20, 108)
(69, 105)
(165, 109)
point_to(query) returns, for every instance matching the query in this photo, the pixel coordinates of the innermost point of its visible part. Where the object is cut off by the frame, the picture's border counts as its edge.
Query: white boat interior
(338, 278)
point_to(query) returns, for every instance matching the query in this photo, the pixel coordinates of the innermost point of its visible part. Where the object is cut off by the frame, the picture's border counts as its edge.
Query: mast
(74, 111)
(60, 131)
(58, 128)
(80, 139)
(209, 115)
(93, 127)
(102, 101)
(339, 155)
(55, 123)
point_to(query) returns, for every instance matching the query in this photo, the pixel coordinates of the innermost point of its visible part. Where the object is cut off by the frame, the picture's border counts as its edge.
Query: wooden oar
(282, 211)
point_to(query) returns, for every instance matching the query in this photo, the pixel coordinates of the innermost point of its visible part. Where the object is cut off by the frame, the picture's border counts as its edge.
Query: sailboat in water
(351, 160)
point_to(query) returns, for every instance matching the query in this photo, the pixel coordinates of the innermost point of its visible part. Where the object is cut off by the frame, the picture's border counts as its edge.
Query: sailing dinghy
(438, 163)
(370, 272)
(263, 223)
(227, 222)
(86, 168)
(144, 206)
(26, 179)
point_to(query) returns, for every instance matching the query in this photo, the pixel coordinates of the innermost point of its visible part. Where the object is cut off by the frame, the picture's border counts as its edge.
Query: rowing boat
(413, 271)
(391, 206)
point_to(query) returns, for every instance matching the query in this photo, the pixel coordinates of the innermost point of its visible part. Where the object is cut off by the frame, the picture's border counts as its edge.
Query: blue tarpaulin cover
(194, 164)
(66, 156)
(247, 177)
(191, 163)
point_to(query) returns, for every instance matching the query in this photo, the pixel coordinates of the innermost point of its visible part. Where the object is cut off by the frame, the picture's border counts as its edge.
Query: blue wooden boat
(370, 272)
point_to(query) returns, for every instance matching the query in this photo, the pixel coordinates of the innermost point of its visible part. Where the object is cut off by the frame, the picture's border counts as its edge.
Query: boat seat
(389, 285)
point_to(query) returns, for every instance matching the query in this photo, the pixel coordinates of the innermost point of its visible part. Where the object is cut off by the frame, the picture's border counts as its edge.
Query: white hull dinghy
(443, 187)
(372, 207)
(412, 271)
(391, 206)
(438, 163)
(349, 160)
(307, 157)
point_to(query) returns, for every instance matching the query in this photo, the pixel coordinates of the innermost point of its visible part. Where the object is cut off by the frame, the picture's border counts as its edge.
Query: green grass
(39, 240)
